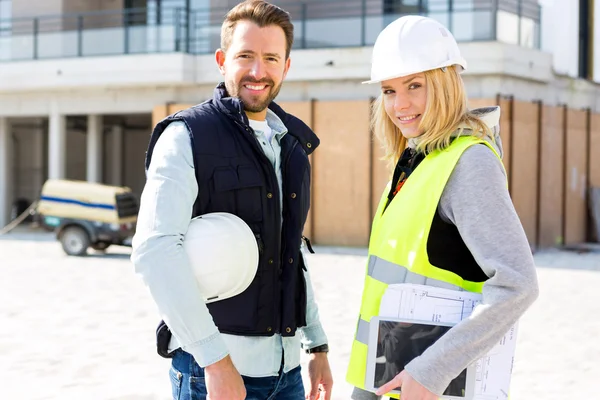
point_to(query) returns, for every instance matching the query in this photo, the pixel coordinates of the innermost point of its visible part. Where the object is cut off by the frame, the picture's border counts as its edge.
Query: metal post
(158, 26)
(35, 37)
(126, 15)
(519, 13)
(158, 12)
(363, 28)
(494, 22)
(450, 15)
(80, 35)
(177, 30)
(538, 45)
(304, 16)
(187, 26)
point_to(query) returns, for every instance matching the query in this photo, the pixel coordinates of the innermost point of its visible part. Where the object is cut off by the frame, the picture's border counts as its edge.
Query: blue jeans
(187, 382)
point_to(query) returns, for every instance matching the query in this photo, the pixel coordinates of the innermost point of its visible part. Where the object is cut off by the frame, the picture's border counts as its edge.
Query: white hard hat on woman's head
(413, 44)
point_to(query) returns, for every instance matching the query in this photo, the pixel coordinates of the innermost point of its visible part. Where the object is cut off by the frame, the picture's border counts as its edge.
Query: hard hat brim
(462, 64)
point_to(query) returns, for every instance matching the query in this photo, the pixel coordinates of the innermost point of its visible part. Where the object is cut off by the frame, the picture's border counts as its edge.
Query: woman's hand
(411, 389)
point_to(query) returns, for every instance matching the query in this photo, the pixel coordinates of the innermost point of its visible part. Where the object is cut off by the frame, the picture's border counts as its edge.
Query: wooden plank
(576, 213)
(342, 174)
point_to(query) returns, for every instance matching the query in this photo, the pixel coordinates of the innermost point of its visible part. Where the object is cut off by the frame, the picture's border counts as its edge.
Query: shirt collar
(276, 125)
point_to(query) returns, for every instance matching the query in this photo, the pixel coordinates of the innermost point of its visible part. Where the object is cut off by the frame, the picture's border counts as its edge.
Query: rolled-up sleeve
(158, 256)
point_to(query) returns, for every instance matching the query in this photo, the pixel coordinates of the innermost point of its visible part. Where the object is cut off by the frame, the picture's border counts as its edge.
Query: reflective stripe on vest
(390, 273)
(398, 245)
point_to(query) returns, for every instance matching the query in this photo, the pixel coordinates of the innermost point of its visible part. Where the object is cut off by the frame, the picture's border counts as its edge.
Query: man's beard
(253, 106)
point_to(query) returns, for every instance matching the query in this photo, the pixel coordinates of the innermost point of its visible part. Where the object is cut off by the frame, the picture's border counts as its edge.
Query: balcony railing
(317, 24)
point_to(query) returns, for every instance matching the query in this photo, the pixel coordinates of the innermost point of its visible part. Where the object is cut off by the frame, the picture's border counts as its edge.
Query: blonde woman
(447, 219)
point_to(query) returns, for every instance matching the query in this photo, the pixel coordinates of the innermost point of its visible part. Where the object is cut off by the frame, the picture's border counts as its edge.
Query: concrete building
(79, 79)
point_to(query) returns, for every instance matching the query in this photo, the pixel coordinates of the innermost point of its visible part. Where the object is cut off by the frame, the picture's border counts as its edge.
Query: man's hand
(411, 389)
(223, 381)
(320, 377)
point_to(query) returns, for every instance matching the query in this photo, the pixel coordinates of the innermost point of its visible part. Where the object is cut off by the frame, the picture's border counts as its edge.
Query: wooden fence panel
(342, 173)
(576, 212)
(524, 177)
(551, 201)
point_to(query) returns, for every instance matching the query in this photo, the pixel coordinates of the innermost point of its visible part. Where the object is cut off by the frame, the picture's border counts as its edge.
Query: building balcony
(318, 24)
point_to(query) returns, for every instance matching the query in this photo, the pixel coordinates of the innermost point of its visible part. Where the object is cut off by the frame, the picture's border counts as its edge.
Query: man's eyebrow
(276, 55)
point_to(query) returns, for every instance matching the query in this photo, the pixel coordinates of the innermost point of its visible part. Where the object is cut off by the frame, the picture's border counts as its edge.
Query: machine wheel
(75, 241)
(100, 246)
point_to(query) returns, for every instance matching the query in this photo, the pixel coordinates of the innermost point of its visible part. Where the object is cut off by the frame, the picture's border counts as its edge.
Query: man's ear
(220, 59)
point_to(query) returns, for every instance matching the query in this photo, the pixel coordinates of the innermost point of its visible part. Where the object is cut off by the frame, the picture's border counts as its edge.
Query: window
(585, 42)
(404, 6)
(5, 17)
(135, 3)
(136, 13)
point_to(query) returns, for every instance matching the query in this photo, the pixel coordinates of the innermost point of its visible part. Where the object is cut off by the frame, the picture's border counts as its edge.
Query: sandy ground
(83, 328)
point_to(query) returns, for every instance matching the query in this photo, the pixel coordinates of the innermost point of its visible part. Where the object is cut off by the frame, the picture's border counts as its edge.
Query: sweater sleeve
(477, 201)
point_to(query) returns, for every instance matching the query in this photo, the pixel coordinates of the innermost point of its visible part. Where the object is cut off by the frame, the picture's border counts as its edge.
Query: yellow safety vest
(398, 244)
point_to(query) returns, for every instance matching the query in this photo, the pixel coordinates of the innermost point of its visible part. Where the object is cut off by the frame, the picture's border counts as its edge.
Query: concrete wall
(312, 65)
(79, 6)
(562, 42)
(138, 83)
(59, 15)
(29, 8)
(92, 21)
(25, 8)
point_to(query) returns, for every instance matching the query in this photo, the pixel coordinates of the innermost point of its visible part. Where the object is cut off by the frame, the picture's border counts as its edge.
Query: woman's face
(404, 100)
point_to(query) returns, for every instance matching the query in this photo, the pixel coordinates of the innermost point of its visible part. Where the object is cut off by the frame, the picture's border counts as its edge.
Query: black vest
(235, 176)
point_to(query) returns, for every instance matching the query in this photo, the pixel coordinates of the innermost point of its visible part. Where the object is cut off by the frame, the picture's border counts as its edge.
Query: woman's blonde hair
(446, 112)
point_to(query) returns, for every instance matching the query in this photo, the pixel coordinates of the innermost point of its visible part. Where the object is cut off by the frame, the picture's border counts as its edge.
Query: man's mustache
(253, 82)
